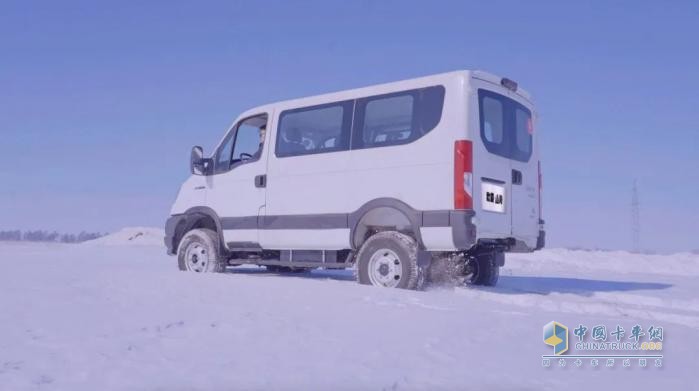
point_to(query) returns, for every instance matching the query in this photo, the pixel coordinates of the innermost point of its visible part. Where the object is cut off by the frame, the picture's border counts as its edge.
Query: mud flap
(499, 258)
(424, 258)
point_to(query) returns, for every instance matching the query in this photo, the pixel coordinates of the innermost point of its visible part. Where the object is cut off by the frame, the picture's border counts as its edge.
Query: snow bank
(132, 321)
(131, 236)
(617, 262)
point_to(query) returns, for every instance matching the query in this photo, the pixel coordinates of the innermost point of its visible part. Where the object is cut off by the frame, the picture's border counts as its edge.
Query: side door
(308, 178)
(492, 185)
(235, 190)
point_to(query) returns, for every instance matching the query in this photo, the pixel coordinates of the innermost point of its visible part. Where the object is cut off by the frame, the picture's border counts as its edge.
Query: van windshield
(506, 126)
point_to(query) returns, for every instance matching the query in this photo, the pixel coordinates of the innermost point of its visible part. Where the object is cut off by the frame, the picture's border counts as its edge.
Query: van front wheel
(199, 252)
(389, 259)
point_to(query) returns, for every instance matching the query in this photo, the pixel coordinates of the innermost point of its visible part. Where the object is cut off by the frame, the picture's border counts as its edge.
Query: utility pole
(635, 218)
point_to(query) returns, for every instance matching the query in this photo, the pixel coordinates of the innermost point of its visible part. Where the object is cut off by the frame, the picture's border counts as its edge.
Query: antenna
(635, 218)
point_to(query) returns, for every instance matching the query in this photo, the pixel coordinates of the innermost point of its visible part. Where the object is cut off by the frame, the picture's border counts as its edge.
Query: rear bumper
(464, 234)
(463, 230)
(541, 240)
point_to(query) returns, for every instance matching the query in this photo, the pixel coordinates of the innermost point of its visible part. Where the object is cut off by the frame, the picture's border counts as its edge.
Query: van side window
(316, 129)
(506, 126)
(247, 142)
(388, 120)
(224, 153)
(243, 144)
(396, 118)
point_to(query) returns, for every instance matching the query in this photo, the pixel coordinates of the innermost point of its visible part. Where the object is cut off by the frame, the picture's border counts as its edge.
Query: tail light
(463, 174)
(540, 187)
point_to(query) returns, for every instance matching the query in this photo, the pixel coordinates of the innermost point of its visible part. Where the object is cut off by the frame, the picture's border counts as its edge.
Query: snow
(116, 314)
(139, 236)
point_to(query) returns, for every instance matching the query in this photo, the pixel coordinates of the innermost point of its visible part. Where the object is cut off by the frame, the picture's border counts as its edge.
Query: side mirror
(197, 163)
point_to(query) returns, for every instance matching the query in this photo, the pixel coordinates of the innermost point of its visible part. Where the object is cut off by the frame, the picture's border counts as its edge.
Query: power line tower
(635, 218)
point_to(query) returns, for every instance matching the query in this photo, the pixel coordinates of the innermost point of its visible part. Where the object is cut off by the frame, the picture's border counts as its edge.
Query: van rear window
(506, 127)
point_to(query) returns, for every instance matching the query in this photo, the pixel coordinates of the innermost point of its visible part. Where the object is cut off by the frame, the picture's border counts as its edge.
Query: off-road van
(399, 180)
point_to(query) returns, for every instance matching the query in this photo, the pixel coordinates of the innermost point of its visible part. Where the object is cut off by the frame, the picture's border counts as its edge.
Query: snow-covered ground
(112, 315)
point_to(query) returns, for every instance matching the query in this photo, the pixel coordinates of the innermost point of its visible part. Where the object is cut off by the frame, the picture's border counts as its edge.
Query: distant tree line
(46, 236)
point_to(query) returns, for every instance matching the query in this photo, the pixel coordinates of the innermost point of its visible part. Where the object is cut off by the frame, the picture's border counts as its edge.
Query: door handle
(516, 177)
(261, 181)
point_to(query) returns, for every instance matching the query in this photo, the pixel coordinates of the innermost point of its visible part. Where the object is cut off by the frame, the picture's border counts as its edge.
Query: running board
(275, 262)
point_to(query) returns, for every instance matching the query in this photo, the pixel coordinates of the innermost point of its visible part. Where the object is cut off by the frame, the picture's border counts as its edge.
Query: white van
(398, 179)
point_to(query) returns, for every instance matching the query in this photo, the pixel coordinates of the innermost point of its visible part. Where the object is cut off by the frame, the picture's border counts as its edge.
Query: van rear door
(491, 167)
(525, 177)
(505, 172)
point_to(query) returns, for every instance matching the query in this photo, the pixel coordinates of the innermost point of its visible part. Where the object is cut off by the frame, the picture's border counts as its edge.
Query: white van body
(393, 161)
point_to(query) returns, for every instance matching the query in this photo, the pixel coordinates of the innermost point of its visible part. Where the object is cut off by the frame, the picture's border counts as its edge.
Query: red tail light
(540, 187)
(463, 174)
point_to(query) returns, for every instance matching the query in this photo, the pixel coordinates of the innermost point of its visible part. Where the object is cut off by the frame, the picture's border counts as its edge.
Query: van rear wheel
(389, 259)
(199, 251)
(483, 269)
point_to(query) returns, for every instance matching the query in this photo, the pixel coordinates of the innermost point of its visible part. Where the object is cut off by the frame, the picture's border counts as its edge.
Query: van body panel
(437, 238)
(234, 194)
(191, 193)
(525, 203)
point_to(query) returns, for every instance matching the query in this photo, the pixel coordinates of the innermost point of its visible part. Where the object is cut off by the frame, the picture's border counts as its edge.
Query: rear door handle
(516, 177)
(261, 181)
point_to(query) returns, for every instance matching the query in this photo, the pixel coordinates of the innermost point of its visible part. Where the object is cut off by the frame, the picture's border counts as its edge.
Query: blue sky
(100, 102)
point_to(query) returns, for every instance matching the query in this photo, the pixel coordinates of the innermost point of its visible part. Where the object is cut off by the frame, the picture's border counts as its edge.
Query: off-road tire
(205, 243)
(403, 246)
(487, 271)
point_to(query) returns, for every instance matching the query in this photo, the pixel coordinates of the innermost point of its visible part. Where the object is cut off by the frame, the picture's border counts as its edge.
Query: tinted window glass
(493, 126)
(431, 104)
(523, 134)
(506, 127)
(314, 129)
(388, 120)
(223, 156)
(397, 118)
(247, 142)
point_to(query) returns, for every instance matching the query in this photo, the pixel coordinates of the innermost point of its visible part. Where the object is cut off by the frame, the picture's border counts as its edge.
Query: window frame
(353, 118)
(417, 123)
(348, 108)
(508, 148)
(233, 133)
(360, 119)
(500, 148)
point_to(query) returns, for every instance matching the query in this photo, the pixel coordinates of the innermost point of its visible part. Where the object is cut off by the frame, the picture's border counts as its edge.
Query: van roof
(395, 85)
